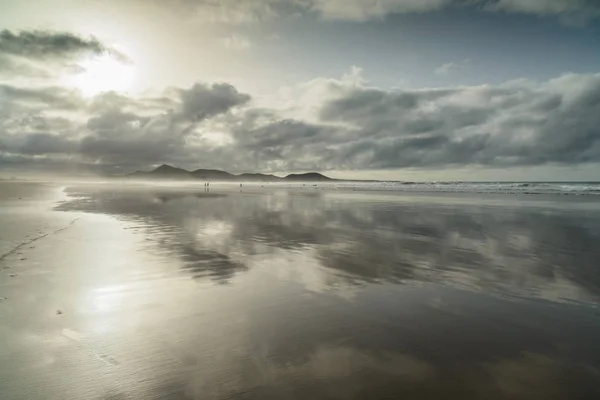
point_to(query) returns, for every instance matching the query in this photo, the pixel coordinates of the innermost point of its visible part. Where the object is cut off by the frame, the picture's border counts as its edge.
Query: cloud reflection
(518, 250)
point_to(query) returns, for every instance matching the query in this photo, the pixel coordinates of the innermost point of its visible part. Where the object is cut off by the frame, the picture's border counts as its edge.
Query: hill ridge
(166, 171)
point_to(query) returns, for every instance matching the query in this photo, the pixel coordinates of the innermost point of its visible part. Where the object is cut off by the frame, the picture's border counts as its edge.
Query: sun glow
(102, 74)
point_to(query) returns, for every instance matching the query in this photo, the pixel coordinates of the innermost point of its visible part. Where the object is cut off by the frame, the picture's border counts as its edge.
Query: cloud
(237, 42)
(252, 11)
(351, 126)
(445, 69)
(512, 124)
(117, 136)
(361, 127)
(202, 101)
(546, 7)
(57, 97)
(242, 12)
(42, 45)
(569, 12)
(361, 10)
(448, 68)
(38, 143)
(110, 130)
(11, 67)
(42, 58)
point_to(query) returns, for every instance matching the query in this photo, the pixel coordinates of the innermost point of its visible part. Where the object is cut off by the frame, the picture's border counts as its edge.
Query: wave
(549, 188)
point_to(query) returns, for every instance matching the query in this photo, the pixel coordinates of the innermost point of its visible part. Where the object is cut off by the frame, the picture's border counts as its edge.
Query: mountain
(169, 172)
(163, 172)
(256, 177)
(308, 177)
(212, 175)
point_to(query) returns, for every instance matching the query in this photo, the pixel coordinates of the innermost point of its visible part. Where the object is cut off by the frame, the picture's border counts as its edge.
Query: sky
(374, 89)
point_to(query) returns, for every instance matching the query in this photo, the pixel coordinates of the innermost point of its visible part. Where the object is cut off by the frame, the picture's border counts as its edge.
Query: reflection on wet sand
(315, 296)
(525, 251)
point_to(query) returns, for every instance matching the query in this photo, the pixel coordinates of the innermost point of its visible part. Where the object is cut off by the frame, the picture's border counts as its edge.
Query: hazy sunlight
(102, 74)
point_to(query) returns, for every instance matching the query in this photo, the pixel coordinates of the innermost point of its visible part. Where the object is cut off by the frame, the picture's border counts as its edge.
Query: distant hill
(212, 175)
(308, 177)
(254, 177)
(163, 172)
(172, 173)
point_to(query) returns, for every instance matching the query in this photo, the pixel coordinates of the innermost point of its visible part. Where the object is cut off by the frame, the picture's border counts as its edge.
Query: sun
(102, 74)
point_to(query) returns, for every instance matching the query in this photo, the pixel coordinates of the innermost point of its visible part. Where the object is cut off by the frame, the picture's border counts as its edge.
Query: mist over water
(267, 292)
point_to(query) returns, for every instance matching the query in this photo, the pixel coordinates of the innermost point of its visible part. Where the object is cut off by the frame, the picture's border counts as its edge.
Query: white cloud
(360, 10)
(445, 69)
(355, 76)
(451, 67)
(239, 12)
(237, 42)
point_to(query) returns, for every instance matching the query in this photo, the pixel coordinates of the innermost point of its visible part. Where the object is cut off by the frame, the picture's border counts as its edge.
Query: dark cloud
(55, 97)
(118, 137)
(34, 144)
(112, 122)
(117, 130)
(570, 10)
(41, 45)
(355, 127)
(232, 11)
(6, 63)
(517, 124)
(204, 101)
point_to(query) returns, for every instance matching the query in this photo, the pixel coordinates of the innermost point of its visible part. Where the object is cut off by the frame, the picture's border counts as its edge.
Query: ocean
(530, 188)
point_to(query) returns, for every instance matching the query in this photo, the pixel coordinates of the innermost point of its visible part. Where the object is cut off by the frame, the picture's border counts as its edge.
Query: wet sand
(167, 292)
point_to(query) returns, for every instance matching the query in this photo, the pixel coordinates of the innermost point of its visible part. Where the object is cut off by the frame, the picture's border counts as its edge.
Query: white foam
(548, 188)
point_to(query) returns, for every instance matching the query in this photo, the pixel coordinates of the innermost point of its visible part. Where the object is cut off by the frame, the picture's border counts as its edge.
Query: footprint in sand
(108, 359)
(13, 275)
(23, 259)
(80, 337)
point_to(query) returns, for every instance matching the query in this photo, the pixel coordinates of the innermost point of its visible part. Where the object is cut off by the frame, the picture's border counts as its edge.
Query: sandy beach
(176, 292)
